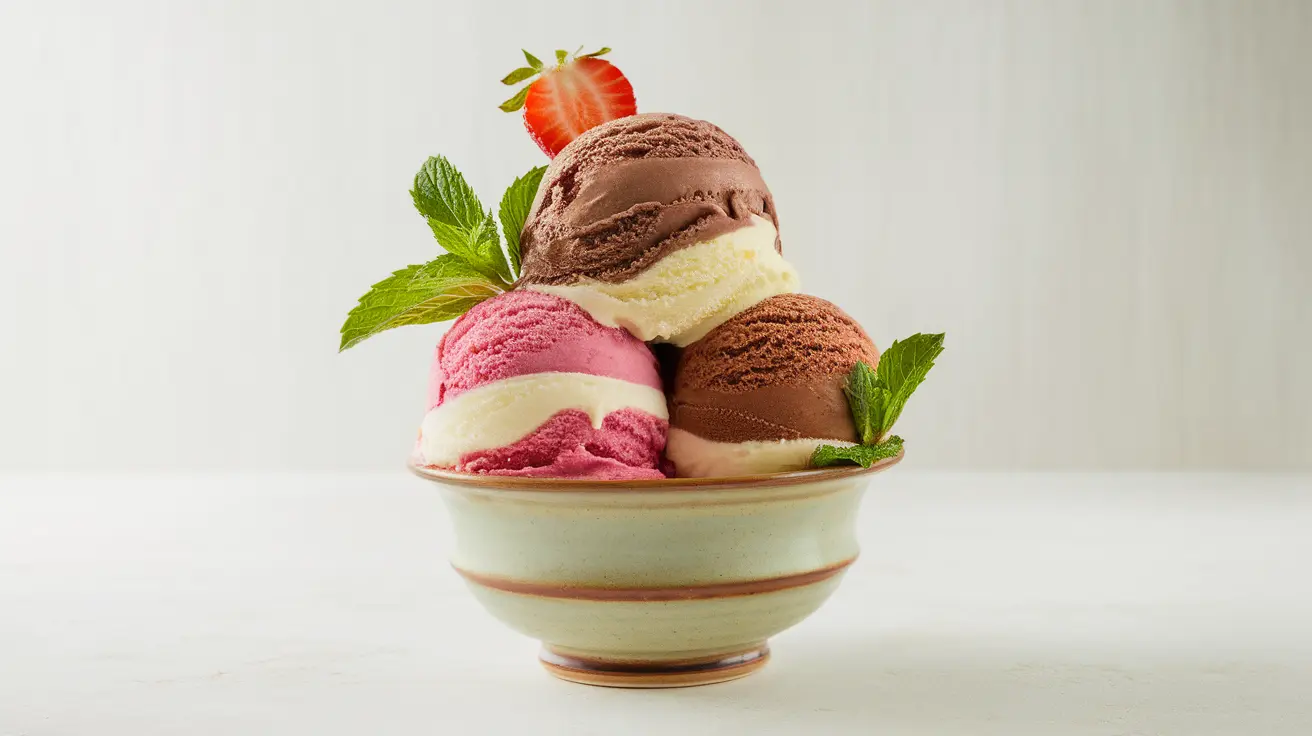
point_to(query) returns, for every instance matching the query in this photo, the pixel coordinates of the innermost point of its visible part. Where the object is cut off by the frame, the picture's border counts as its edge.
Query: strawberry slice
(579, 93)
(564, 102)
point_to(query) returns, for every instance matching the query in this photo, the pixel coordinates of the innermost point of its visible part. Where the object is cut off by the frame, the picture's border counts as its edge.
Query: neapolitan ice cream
(529, 384)
(646, 235)
(657, 223)
(763, 390)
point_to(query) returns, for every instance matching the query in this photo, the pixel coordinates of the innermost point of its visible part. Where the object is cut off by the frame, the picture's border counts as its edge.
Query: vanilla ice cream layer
(688, 293)
(696, 457)
(503, 412)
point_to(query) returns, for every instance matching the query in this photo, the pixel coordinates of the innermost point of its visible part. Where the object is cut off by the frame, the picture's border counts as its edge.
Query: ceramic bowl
(658, 583)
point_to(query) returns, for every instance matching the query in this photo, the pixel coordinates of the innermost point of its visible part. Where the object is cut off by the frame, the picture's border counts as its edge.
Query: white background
(1106, 205)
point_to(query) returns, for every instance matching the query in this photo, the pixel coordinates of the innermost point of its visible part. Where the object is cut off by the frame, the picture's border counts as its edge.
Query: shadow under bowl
(654, 583)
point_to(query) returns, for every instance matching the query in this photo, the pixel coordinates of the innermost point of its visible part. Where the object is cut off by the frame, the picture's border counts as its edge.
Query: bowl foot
(654, 674)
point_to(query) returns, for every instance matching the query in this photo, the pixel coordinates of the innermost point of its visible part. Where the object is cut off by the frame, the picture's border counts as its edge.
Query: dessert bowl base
(587, 670)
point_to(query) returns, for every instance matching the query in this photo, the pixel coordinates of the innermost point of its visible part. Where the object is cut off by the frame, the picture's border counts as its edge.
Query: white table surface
(982, 604)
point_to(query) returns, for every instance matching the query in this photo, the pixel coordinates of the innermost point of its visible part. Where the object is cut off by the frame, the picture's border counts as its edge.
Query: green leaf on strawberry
(519, 75)
(580, 92)
(516, 102)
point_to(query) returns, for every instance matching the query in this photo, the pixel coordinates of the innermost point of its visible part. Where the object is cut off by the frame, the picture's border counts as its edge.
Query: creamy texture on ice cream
(504, 412)
(688, 293)
(702, 458)
(656, 222)
(768, 383)
(529, 384)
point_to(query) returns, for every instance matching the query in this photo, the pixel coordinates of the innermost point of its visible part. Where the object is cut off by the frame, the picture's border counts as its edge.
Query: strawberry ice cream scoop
(529, 384)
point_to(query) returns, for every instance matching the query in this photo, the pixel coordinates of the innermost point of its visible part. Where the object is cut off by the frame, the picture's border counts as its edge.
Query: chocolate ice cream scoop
(761, 391)
(629, 192)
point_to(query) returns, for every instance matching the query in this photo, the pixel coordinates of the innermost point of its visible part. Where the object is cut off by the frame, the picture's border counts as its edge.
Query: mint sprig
(457, 218)
(876, 398)
(863, 455)
(474, 268)
(863, 393)
(901, 369)
(515, 204)
(444, 288)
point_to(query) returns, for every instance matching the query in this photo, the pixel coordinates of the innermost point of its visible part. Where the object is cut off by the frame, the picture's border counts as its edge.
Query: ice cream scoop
(528, 384)
(656, 223)
(762, 390)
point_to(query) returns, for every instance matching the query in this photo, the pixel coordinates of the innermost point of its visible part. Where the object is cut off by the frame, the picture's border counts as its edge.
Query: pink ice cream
(597, 388)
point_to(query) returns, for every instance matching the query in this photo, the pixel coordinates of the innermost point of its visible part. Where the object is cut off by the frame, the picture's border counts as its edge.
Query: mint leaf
(876, 398)
(457, 218)
(519, 75)
(516, 102)
(860, 390)
(901, 369)
(532, 60)
(863, 455)
(444, 288)
(441, 193)
(480, 246)
(515, 204)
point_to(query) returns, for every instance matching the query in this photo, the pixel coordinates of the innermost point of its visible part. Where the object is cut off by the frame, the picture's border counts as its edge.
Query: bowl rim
(663, 485)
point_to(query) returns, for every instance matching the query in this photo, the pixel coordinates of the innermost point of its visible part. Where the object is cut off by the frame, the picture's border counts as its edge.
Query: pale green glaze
(564, 541)
(645, 539)
(658, 630)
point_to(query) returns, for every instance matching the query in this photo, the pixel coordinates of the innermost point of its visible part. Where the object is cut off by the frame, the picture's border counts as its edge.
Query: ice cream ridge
(529, 384)
(763, 390)
(645, 231)
(656, 223)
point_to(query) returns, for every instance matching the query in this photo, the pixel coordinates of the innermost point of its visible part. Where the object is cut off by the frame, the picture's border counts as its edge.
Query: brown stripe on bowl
(670, 593)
